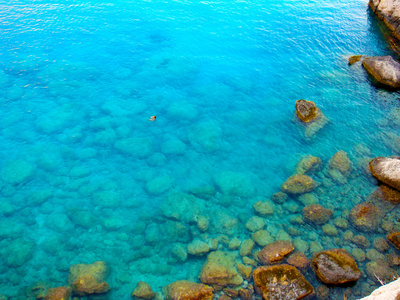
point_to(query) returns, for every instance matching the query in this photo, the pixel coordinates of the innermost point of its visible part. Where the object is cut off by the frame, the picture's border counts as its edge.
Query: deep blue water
(80, 80)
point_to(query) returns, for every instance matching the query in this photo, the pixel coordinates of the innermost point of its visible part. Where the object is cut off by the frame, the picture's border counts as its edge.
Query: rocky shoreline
(389, 12)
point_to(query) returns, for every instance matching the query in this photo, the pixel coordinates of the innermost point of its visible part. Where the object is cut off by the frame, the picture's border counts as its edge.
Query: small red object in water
(152, 118)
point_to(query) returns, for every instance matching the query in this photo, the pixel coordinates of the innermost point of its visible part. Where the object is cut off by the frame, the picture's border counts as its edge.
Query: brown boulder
(281, 282)
(394, 238)
(317, 214)
(387, 170)
(143, 291)
(335, 266)
(384, 69)
(220, 270)
(386, 193)
(307, 111)
(275, 252)
(298, 184)
(366, 217)
(58, 293)
(186, 290)
(355, 58)
(89, 279)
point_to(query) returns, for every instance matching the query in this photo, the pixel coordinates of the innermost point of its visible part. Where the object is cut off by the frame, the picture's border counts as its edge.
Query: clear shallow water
(80, 80)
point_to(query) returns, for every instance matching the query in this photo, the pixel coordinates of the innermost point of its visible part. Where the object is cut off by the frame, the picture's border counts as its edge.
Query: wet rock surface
(387, 170)
(89, 279)
(366, 217)
(307, 111)
(384, 69)
(335, 266)
(298, 184)
(317, 214)
(281, 282)
(220, 270)
(394, 238)
(389, 12)
(143, 291)
(275, 252)
(186, 290)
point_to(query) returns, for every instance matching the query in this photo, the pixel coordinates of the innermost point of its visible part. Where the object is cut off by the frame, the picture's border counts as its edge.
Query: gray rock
(387, 170)
(384, 69)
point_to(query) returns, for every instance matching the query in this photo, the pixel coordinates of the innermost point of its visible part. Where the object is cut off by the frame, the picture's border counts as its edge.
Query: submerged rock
(366, 216)
(298, 184)
(308, 165)
(394, 238)
(335, 266)
(317, 214)
(220, 270)
(89, 279)
(384, 69)
(386, 193)
(299, 260)
(380, 271)
(282, 282)
(275, 252)
(340, 161)
(143, 291)
(186, 290)
(58, 293)
(387, 170)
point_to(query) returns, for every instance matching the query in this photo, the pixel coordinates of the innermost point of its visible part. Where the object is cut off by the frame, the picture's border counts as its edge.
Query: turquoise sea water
(85, 176)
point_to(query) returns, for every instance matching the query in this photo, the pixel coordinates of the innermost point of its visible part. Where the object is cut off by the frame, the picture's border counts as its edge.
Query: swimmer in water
(152, 118)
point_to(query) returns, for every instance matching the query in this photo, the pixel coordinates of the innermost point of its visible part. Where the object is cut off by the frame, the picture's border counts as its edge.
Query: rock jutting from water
(335, 266)
(384, 69)
(386, 170)
(310, 116)
(281, 282)
(389, 12)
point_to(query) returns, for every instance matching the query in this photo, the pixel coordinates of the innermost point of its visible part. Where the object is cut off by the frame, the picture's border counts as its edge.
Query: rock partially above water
(186, 290)
(335, 266)
(310, 116)
(307, 111)
(387, 170)
(384, 69)
(389, 12)
(355, 58)
(282, 282)
(298, 184)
